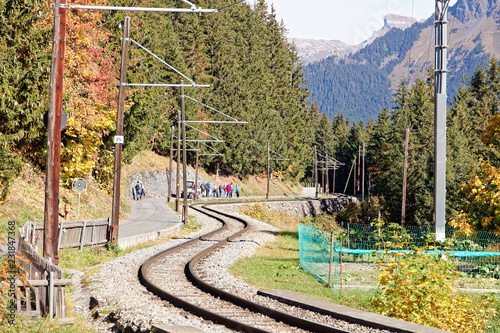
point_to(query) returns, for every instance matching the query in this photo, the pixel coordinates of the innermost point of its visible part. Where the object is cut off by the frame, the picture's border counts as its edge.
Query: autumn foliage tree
(481, 208)
(24, 73)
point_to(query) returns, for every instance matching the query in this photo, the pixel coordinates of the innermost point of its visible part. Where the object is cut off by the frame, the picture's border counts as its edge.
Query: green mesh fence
(316, 256)
(354, 264)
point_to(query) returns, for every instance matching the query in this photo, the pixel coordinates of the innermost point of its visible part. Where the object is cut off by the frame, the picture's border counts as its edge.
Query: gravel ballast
(113, 299)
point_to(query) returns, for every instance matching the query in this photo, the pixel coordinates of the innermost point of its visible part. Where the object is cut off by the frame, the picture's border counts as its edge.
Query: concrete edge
(175, 329)
(346, 313)
(149, 236)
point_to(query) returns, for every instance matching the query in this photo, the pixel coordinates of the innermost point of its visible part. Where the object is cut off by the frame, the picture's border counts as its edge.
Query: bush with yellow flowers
(420, 286)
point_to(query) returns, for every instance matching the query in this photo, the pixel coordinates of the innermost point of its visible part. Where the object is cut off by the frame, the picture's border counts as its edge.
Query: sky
(351, 21)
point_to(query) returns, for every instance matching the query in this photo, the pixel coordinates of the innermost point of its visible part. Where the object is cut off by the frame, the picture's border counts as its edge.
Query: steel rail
(192, 276)
(184, 304)
(252, 306)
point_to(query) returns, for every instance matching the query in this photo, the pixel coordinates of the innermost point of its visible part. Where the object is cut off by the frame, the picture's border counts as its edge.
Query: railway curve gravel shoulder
(122, 301)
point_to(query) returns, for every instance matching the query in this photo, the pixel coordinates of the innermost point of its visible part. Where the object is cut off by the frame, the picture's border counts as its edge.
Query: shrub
(421, 288)
(10, 270)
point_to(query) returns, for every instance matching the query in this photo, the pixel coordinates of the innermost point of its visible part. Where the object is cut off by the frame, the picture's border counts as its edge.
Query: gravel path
(121, 301)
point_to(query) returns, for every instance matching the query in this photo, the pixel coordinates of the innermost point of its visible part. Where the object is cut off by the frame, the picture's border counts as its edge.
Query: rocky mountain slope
(312, 50)
(362, 82)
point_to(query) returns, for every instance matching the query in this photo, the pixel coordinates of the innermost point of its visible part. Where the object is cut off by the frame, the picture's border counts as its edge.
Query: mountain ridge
(404, 55)
(313, 50)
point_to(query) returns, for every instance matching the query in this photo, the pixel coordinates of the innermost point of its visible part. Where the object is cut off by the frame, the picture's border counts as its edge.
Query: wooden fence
(45, 293)
(71, 233)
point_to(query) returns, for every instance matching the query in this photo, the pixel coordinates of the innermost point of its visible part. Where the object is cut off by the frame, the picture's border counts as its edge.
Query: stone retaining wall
(303, 208)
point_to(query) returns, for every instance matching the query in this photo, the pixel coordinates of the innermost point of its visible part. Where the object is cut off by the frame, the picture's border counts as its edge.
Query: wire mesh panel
(353, 262)
(316, 255)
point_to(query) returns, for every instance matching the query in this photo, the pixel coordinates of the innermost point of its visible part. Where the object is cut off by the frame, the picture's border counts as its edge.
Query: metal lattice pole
(441, 32)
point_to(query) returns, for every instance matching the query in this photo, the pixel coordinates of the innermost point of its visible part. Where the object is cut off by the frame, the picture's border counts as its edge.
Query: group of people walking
(139, 191)
(219, 191)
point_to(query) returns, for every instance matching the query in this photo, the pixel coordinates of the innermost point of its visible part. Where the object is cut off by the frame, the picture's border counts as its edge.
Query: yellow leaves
(420, 288)
(486, 220)
(482, 204)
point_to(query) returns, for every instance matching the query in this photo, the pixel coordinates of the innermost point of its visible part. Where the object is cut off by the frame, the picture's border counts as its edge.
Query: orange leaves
(491, 136)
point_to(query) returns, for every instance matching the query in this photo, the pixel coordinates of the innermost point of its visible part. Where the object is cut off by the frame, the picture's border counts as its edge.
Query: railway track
(176, 275)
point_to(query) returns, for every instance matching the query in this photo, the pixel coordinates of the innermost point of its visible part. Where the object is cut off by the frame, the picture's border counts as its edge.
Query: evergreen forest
(255, 76)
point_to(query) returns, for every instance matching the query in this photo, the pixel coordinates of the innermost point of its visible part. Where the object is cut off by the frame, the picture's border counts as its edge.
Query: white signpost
(79, 186)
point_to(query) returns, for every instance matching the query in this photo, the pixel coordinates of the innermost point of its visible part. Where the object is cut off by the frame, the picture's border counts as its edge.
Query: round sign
(79, 185)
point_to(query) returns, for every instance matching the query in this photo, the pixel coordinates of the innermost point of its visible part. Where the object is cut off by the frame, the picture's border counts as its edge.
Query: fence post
(83, 234)
(60, 235)
(51, 295)
(331, 261)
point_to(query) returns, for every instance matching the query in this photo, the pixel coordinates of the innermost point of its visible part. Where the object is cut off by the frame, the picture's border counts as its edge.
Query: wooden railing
(71, 233)
(45, 293)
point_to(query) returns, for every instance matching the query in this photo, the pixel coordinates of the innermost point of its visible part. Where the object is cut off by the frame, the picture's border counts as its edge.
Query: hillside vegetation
(241, 52)
(25, 201)
(255, 76)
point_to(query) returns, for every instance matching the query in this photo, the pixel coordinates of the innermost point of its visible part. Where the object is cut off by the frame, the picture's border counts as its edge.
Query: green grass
(277, 266)
(44, 325)
(90, 257)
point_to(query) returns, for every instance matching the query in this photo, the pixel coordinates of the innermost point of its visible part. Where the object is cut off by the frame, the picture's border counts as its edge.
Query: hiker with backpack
(202, 189)
(208, 189)
(138, 191)
(143, 191)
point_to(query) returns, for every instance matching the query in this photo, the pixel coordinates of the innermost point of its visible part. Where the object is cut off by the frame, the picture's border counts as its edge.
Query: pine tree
(24, 77)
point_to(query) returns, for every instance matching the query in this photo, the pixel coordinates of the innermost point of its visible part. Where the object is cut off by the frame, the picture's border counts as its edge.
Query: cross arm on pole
(162, 61)
(167, 85)
(141, 9)
(199, 131)
(234, 120)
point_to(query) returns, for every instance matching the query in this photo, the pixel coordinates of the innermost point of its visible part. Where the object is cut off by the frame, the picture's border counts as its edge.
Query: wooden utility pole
(323, 174)
(51, 212)
(405, 170)
(334, 170)
(354, 175)
(196, 170)
(178, 173)
(184, 156)
(170, 164)
(115, 214)
(359, 167)
(363, 176)
(327, 165)
(268, 169)
(315, 172)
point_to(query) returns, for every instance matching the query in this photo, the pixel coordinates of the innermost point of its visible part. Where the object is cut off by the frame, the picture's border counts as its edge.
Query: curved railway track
(175, 275)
